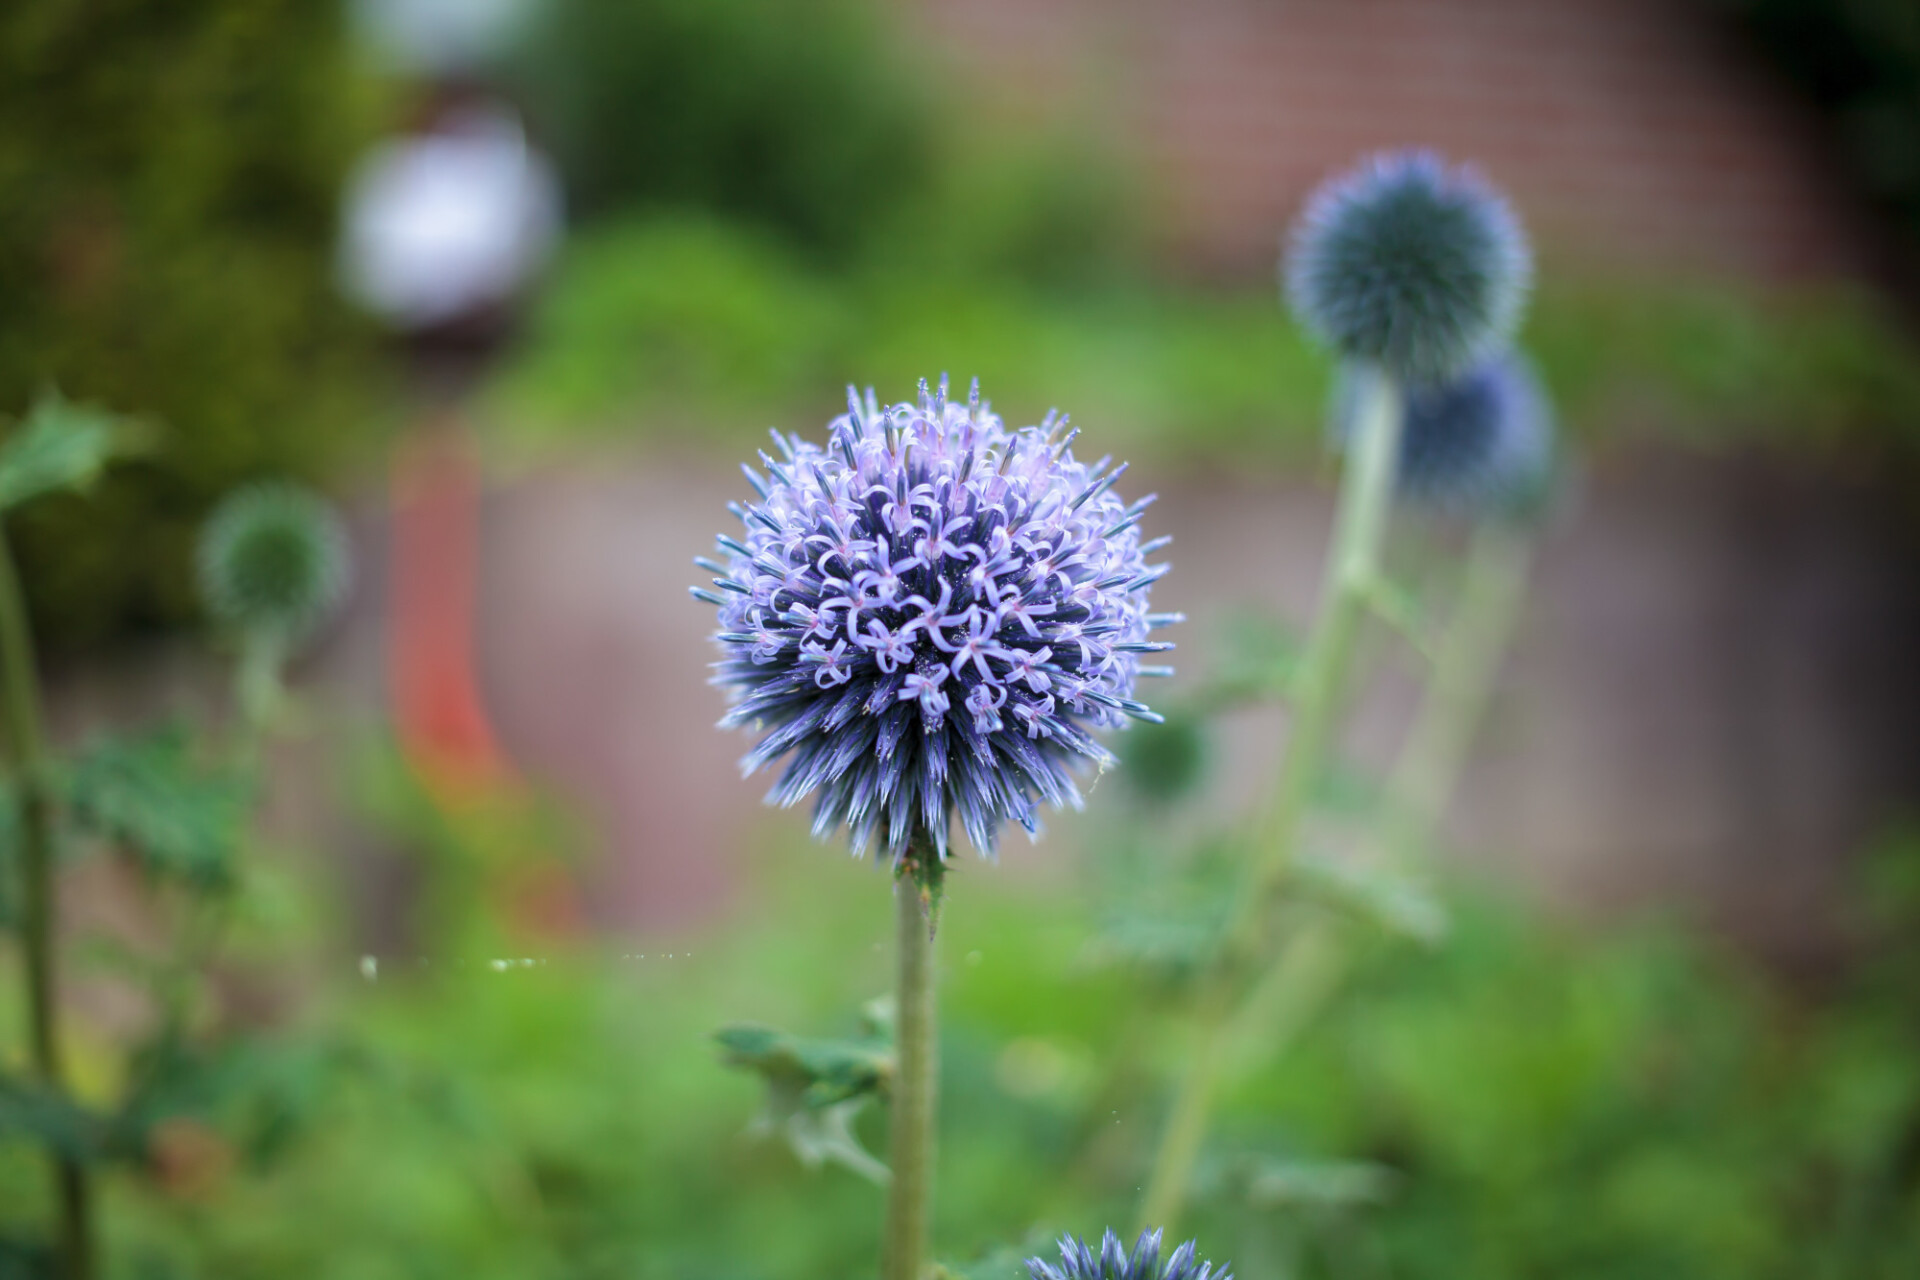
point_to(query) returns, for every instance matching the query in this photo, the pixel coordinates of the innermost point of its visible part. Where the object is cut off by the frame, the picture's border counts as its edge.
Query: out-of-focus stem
(20, 679)
(1290, 994)
(1186, 1125)
(1353, 565)
(257, 686)
(910, 1193)
(1469, 657)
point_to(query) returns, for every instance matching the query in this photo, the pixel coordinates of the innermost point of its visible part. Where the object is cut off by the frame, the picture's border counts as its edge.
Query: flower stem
(1186, 1128)
(20, 680)
(910, 1193)
(257, 684)
(1464, 668)
(1353, 565)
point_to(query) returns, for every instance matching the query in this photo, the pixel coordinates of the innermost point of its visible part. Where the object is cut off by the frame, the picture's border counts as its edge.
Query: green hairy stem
(38, 927)
(910, 1192)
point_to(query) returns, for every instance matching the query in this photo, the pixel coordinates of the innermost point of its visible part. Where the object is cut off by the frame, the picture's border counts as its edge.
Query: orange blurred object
(441, 718)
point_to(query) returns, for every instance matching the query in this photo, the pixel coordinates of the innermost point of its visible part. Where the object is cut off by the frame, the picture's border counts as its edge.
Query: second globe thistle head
(272, 561)
(1483, 442)
(1409, 264)
(929, 616)
(1113, 1262)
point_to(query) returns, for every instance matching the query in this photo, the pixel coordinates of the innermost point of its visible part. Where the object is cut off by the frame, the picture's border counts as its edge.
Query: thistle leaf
(1390, 899)
(47, 1120)
(1165, 917)
(1278, 1182)
(816, 1087)
(60, 446)
(155, 798)
(27, 1260)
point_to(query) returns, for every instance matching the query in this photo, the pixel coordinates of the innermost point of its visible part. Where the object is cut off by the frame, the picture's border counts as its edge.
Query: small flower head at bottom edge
(1080, 1262)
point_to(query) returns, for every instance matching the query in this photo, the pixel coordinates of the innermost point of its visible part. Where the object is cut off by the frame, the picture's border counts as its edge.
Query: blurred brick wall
(1633, 133)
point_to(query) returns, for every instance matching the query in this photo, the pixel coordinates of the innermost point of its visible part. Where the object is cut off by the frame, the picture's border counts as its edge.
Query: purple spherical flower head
(1409, 264)
(930, 616)
(1482, 442)
(1078, 1262)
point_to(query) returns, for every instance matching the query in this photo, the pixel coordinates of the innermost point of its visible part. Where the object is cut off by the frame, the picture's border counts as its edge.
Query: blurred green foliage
(794, 114)
(653, 323)
(168, 180)
(1531, 1099)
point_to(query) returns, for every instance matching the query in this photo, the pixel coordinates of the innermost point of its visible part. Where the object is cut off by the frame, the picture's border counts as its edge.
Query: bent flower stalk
(930, 616)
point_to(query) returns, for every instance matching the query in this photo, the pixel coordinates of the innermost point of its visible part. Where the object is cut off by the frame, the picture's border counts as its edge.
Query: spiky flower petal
(1483, 442)
(272, 560)
(1409, 264)
(1078, 1262)
(930, 616)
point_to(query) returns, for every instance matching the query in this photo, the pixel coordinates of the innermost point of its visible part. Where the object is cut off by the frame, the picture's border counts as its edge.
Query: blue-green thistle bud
(1482, 442)
(1411, 265)
(1079, 1262)
(272, 562)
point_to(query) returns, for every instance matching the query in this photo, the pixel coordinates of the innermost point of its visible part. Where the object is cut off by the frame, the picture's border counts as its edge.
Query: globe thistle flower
(930, 616)
(1482, 442)
(1078, 1262)
(272, 561)
(1409, 264)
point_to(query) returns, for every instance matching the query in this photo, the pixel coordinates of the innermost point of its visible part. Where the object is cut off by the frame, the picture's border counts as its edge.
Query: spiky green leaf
(47, 1120)
(60, 446)
(155, 797)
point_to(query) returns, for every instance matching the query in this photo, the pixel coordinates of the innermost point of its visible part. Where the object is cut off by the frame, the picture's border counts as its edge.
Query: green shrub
(651, 324)
(795, 115)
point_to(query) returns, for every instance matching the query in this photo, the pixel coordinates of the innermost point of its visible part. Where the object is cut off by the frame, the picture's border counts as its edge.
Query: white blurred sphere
(444, 224)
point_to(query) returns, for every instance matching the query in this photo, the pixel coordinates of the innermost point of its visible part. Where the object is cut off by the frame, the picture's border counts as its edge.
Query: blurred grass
(1546, 1101)
(652, 323)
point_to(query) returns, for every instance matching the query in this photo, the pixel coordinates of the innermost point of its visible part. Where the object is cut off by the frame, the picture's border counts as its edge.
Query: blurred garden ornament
(446, 230)
(441, 37)
(441, 716)
(1415, 274)
(929, 617)
(449, 225)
